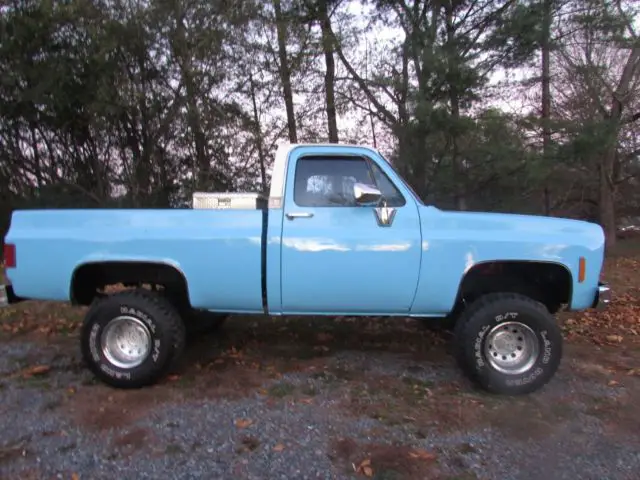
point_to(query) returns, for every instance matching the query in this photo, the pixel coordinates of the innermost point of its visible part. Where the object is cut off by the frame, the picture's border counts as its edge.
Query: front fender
(454, 242)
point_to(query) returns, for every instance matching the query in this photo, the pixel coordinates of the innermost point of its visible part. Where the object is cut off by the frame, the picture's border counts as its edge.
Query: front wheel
(508, 344)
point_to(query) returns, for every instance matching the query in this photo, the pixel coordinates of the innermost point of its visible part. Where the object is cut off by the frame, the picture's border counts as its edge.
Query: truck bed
(220, 251)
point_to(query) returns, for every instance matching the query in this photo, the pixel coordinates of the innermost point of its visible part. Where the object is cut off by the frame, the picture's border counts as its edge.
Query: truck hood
(527, 228)
(509, 221)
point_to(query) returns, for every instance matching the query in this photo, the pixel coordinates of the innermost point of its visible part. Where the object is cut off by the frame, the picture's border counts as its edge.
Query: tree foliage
(128, 103)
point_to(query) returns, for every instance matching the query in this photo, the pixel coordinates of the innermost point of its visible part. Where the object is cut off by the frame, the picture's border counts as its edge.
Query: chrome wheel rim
(126, 342)
(511, 348)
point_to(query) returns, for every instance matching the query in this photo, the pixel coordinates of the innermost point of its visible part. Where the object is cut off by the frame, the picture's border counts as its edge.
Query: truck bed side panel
(219, 252)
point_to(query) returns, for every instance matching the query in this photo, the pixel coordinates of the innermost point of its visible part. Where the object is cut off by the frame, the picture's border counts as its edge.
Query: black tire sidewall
(149, 313)
(548, 336)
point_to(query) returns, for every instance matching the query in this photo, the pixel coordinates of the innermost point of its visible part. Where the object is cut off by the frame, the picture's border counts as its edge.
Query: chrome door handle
(293, 215)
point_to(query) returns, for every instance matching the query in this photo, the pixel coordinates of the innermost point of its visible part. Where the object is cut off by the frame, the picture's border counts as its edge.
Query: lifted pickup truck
(341, 233)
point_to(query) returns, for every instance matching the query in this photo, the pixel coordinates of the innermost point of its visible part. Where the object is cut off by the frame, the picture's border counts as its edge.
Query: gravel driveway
(309, 399)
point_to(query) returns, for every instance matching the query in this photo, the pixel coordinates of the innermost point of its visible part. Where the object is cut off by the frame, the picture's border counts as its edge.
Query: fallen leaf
(243, 422)
(234, 353)
(37, 370)
(324, 337)
(173, 378)
(613, 383)
(422, 454)
(365, 468)
(75, 476)
(278, 448)
(307, 401)
(614, 338)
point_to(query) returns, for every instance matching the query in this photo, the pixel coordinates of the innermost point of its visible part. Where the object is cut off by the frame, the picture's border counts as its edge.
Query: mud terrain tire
(149, 326)
(508, 343)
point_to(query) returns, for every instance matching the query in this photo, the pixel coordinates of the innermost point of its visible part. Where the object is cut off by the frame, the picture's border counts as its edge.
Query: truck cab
(342, 213)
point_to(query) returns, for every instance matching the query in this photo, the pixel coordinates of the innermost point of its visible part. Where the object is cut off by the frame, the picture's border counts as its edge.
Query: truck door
(340, 257)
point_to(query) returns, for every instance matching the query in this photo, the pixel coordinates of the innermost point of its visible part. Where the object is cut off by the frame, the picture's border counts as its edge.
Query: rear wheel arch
(89, 278)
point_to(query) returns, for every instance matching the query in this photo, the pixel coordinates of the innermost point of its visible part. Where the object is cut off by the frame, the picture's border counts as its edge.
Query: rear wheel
(132, 338)
(508, 343)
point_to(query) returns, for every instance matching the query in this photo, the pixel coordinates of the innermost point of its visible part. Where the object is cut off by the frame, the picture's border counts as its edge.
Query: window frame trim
(368, 160)
(370, 164)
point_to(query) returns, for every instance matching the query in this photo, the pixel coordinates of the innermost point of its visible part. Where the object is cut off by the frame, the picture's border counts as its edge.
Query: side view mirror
(366, 194)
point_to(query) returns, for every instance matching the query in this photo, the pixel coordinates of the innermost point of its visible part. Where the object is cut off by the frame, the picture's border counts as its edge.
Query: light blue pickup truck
(341, 233)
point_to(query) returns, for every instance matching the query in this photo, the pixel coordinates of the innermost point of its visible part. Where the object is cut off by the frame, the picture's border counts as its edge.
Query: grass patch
(186, 381)
(90, 381)
(35, 382)
(52, 404)
(281, 390)
(174, 449)
(388, 474)
(463, 476)
(68, 448)
(384, 461)
(310, 390)
(248, 444)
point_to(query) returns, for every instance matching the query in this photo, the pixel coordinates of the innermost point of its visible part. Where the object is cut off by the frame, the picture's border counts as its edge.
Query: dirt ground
(322, 398)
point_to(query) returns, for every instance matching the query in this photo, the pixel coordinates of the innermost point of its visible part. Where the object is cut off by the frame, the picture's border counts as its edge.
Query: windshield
(404, 182)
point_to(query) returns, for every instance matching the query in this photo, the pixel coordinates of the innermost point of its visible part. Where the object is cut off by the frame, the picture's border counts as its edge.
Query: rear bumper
(603, 297)
(7, 296)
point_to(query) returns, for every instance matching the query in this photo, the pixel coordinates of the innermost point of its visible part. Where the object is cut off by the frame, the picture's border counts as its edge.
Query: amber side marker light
(582, 268)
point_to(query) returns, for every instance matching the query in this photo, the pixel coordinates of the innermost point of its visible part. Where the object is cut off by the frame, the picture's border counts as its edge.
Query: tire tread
(464, 335)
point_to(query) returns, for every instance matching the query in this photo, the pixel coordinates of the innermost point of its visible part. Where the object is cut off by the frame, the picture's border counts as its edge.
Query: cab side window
(328, 182)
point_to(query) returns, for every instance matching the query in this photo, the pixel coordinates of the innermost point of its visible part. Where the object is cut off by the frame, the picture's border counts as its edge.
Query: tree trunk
(285, 72)
(204, 179)
(329, 78)
(258, 135)
(607, 205)
(454, 99)
(608, 163)
(546, 95)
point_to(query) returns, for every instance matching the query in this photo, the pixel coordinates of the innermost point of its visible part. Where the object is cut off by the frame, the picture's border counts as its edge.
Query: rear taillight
(9, 255)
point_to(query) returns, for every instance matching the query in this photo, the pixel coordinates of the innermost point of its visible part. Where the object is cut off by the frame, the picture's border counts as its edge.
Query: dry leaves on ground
(618, 324)
(243, 422)
(422, 455)
(365, 468)
(35, 370)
